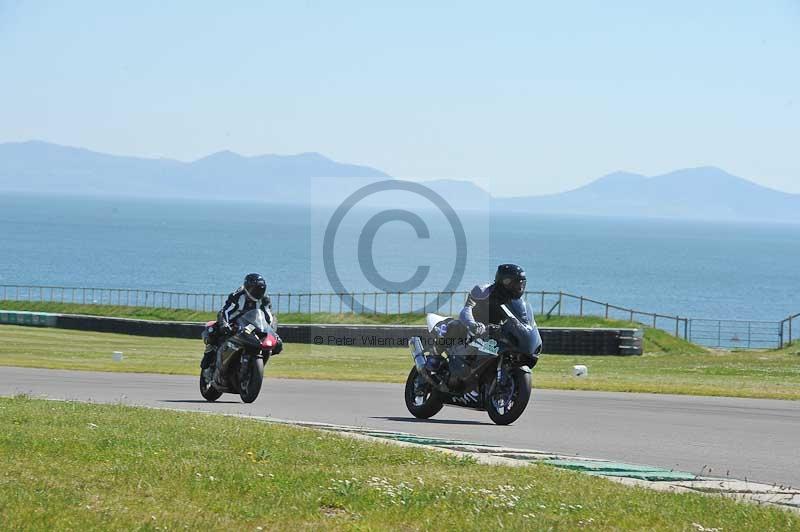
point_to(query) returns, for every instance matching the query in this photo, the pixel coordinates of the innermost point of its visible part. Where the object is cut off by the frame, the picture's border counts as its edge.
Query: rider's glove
(477, 329)
(278, 347)
(226, 329)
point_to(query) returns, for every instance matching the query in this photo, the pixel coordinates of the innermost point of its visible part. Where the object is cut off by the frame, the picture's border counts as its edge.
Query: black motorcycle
(241, 358)
(491, 372)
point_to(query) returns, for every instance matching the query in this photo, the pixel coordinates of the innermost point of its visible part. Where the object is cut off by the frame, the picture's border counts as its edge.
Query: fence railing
(130, 297)
(546, 303)
(737, 334)
(708, 332)
(788, 333)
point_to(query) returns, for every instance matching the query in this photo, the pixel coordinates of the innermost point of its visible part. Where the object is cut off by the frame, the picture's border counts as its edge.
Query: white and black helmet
(255, 286)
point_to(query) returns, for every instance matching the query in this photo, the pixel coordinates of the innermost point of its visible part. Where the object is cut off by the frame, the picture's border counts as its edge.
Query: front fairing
(522, 338)
(252, 328)
(248, 339)
(254, 321)
(520, 333)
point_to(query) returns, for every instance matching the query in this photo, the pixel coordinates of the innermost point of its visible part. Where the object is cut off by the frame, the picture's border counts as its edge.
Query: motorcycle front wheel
(421, 400)
(250, 385)
(208, 392)
(509, 400)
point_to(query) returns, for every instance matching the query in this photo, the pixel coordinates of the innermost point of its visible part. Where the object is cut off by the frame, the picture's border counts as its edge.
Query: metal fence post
(780, 335)
(606, 310)
(580, 313)
(677, 322)
(748, 335)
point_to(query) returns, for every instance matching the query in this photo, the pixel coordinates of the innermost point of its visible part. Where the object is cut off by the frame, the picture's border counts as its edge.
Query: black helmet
(511, 279)
(255, 286)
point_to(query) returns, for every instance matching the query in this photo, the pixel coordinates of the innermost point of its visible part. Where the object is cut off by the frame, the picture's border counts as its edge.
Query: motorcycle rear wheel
(518, 397)
(208, 392)
(250, 386)
(423, 405)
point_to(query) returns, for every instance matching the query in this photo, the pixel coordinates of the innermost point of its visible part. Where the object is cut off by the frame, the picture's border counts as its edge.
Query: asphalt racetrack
(752, 439)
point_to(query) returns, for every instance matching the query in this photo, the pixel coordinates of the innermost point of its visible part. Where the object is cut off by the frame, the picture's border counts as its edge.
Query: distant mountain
(465, 194)
(43, 167)
(693, 193)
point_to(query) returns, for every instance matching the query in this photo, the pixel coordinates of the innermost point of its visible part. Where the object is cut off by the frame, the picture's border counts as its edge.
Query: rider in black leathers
(252, 294)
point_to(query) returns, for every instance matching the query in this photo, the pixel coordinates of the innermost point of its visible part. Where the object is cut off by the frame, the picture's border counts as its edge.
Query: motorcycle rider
(483, 303)
(252, 294)
(482, 308)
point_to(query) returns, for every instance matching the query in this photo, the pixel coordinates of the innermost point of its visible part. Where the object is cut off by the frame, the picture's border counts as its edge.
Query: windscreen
(255, 318)
(521, 309)
(523, 332)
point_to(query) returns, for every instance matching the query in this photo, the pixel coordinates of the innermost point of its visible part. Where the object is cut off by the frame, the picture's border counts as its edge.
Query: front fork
(244, 367)
(500, 377)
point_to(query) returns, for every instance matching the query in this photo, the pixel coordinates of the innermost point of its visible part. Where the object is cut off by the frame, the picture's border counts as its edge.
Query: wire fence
(129, 297)
(786, 330)
(743, 334)
(737, 334)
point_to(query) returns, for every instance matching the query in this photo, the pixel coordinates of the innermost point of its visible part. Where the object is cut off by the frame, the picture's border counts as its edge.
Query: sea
(687, 268)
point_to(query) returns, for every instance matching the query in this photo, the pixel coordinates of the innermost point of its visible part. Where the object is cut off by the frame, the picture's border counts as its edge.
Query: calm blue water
(687, 268)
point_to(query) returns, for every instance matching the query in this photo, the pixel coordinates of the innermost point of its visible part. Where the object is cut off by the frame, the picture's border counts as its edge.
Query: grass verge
(655, 340)
(71, 466)
(765, 374)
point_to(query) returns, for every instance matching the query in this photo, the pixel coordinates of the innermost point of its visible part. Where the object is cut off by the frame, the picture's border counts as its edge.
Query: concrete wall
(556, 340)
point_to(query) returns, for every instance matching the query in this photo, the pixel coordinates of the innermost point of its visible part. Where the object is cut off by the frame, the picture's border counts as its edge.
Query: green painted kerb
(616, 469)
(591, 467)
(421, 440)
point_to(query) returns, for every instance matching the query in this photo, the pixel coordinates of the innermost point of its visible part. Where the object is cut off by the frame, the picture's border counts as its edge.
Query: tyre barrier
(556, 340)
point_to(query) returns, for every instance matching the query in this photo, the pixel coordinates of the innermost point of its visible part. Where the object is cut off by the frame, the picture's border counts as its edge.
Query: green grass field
(655, 340)
(71, 466)
(769, 374)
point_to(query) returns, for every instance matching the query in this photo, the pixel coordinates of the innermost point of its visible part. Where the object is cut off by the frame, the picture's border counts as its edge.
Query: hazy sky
(520, 97)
